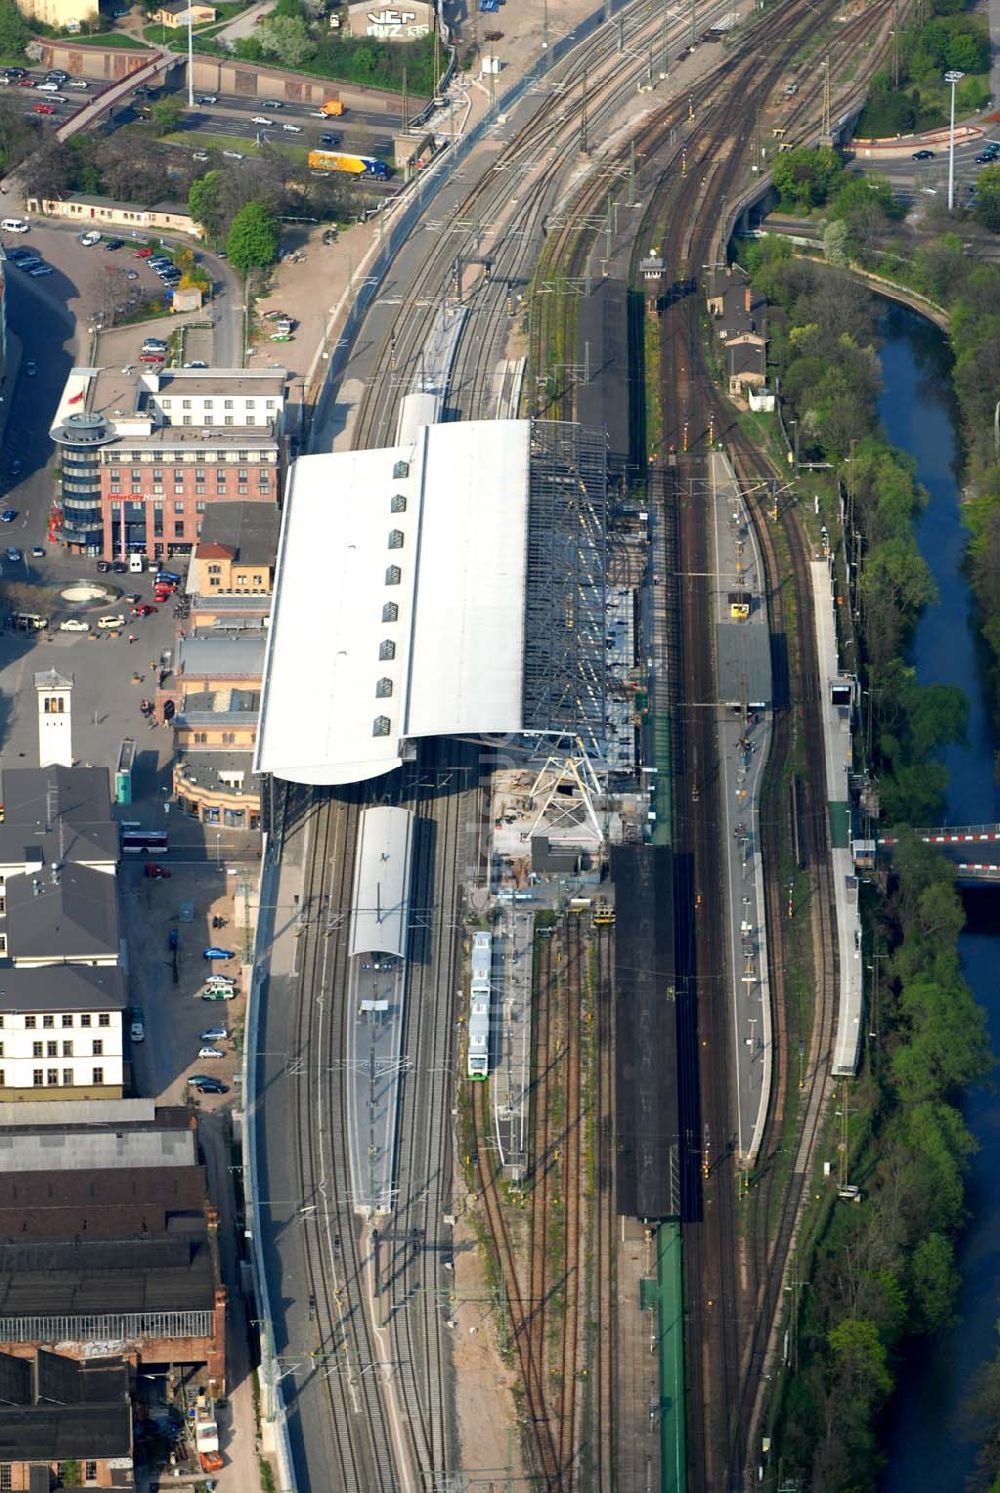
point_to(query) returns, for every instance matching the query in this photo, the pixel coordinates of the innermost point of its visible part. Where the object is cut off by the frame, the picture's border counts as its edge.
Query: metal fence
(127, 1327)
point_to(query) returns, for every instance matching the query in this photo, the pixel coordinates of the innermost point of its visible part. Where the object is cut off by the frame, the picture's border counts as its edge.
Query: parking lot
(166, 984)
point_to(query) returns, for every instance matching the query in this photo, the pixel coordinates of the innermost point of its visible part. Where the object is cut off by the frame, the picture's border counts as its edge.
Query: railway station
(451, 586)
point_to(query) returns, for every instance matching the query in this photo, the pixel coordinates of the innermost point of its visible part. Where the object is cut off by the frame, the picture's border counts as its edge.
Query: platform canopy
(400, 601)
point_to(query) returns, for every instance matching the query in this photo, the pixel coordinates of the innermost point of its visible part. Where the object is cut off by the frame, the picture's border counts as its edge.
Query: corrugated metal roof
(399, 608)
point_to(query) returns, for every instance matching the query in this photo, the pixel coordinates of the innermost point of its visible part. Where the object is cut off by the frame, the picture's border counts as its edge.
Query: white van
(14, 225)
(136, 564)
(88, 240)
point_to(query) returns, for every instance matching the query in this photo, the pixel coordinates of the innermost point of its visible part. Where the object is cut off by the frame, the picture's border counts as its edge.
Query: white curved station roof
(399, 607)
(381, 899)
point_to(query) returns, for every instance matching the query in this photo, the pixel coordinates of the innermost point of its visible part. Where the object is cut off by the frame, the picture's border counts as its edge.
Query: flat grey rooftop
(221, 658)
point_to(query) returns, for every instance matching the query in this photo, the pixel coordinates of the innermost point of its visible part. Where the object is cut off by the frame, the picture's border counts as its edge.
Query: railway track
(770, 1242)
(551, 1315)
(504, 215)
(420, 1290)
(335, 1259)
(362, 1435)
(599, 1428)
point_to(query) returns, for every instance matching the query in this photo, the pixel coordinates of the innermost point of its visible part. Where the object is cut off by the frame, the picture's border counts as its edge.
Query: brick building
(62, 1420)
(144, 455)
(107, 1239)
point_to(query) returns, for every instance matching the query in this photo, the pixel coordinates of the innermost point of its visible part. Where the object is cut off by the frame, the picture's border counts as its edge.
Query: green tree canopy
(253, 237)
(165, 115)
(286, 38)
(806, 177)
(935, 1282)
(204, 202)
(15, 33)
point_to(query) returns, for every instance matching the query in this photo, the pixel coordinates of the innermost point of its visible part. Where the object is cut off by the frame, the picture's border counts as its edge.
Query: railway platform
(838, 700)
(743, 667)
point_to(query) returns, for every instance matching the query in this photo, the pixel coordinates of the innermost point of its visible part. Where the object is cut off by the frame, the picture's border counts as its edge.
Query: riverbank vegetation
(917, 98)
(881, 1271)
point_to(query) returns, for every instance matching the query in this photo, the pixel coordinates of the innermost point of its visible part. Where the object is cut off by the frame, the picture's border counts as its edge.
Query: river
(926, 1443)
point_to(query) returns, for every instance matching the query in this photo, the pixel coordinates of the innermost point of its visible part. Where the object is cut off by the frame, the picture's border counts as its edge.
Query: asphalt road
(930, 178)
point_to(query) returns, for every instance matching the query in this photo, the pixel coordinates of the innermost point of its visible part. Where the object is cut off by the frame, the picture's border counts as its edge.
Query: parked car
(206, 1085)
(213, 952)
(227, 980)
(232, 155)
(74, 624)
(196, 363)
(8, 516)
(113, 619)
(142, 253)
(113, 243)
(103, 566)
(170, 576)
(28, 261)
(14, 555)
(215, 1034)
(154, 872)
(31, 368)
(211, 1052)
(38, 552)
(137, 1031)
(38, 270)
(119, 567)
(43, 108)
(199, 155)
(218, 993)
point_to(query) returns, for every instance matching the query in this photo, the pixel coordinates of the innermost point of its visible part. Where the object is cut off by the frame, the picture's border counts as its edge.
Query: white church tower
(55, 721)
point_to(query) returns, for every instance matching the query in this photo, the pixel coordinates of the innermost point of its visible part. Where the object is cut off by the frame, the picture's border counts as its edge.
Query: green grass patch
(119, 39)
(204, 140)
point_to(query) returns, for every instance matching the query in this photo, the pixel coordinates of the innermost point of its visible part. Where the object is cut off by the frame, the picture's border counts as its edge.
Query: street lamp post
(953, 76)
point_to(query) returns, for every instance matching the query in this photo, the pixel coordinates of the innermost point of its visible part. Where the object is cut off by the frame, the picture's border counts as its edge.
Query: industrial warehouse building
(453, 584)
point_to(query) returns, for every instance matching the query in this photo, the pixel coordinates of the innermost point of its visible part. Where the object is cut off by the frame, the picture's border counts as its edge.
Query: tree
(987, 209)
(860, 1357)
(165, 115)
(835, 242)
(806, 177)
(204, 202)
(110, 291)
(15, 33)
(253, 238)
(935, 1282)
(286, 38)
